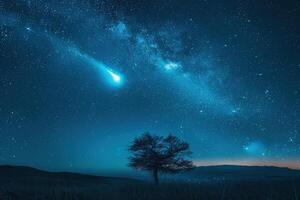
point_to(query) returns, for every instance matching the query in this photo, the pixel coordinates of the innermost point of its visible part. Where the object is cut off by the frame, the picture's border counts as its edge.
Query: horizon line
(263, 163)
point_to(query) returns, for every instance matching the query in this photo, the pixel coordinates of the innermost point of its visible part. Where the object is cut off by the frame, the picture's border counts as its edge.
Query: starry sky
(79, 80)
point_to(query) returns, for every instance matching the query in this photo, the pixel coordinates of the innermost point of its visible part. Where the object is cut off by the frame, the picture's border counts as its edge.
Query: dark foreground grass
(283, 189)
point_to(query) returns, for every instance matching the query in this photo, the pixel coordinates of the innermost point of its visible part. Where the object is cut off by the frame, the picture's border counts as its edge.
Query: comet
(112, 76)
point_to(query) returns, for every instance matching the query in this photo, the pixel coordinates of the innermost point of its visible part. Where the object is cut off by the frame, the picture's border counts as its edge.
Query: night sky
(79, 80)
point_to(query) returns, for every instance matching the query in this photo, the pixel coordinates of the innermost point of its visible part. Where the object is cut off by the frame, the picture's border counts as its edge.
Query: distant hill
(22, 175)
(234, 172)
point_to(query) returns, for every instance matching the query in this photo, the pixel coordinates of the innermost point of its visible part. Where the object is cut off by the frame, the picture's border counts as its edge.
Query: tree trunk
(155, 176)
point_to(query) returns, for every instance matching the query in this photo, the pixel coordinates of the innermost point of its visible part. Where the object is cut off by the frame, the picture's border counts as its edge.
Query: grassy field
(123, 190)
(23, 183)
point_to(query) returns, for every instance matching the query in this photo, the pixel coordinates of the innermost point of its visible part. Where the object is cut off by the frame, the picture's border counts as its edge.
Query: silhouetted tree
(159, 154)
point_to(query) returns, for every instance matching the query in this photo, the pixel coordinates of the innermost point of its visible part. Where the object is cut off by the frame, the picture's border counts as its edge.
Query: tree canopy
(160, 154)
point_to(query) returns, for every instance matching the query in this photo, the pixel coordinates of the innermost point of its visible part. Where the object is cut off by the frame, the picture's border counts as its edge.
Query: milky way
(80, 80)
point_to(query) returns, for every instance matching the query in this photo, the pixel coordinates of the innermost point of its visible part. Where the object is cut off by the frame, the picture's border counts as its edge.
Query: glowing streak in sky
(114, 77)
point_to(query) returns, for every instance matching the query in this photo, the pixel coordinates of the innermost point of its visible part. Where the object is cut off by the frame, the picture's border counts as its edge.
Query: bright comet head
(116, 78)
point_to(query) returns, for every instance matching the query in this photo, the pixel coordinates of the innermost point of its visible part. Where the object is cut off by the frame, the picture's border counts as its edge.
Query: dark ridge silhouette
(230, 171)
(23, 173)
(234, 172)
(246, 170)
(239, 172)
